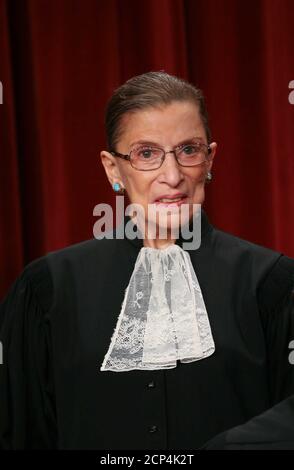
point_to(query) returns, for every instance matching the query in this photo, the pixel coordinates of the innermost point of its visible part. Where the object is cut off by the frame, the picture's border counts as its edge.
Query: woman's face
(166, 127)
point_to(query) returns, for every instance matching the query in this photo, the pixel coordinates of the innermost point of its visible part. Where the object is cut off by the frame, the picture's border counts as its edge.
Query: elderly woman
(138, 342)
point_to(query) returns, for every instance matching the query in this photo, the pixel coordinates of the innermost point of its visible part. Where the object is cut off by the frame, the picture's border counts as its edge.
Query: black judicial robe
(56, 324)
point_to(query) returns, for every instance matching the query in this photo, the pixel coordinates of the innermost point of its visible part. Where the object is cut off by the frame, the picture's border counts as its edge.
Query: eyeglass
(146, 158)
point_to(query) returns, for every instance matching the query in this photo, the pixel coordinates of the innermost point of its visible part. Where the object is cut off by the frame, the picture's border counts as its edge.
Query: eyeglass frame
(165, 152)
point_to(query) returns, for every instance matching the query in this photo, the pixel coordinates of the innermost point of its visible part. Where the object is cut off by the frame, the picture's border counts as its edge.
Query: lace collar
(163, 316)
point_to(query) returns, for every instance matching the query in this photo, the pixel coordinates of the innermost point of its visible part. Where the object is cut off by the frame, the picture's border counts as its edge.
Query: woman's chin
(164, 229)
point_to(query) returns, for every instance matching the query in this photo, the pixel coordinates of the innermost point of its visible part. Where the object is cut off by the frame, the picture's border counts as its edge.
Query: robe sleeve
(27, 411)
(273, 429)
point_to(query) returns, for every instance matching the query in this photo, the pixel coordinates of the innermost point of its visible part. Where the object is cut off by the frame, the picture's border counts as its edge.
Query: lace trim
(163, 316)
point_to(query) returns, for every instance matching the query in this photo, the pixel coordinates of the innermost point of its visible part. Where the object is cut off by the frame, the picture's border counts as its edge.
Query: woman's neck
(158, 243)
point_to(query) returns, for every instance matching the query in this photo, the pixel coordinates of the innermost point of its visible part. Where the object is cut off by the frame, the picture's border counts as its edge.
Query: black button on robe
(56, 324)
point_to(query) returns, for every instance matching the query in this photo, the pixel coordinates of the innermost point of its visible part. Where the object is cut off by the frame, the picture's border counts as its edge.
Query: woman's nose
(171, 172)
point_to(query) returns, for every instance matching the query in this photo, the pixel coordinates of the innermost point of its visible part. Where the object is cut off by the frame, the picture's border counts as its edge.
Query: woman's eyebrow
(145, 142)
(156, 144)
(191, 139)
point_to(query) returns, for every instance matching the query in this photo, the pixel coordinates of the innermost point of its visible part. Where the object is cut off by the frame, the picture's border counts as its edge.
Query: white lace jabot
(163, 316)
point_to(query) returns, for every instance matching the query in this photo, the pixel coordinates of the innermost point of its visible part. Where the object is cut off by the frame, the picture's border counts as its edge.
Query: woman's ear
(111, 167)
(213, 147)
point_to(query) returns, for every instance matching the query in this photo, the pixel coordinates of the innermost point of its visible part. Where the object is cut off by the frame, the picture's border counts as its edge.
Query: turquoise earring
(117, 188)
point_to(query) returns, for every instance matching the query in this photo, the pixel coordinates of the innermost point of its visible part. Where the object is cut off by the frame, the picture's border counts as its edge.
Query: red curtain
(60, 60)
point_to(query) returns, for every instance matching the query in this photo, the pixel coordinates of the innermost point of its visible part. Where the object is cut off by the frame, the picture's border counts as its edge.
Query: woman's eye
(146, 153)
(189, 149)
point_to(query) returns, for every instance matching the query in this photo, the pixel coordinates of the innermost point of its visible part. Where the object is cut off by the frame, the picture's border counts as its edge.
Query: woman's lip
(174, 196)
(172, 203)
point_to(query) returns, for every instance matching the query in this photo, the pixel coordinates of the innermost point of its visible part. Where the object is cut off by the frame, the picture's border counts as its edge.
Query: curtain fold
(11, 247)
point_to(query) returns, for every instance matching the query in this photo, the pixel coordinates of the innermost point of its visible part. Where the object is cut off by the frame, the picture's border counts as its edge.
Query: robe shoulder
(272, 270)
(38, 275)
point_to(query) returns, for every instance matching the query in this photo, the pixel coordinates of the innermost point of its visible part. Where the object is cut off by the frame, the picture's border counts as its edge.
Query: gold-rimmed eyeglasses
(147, 158)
